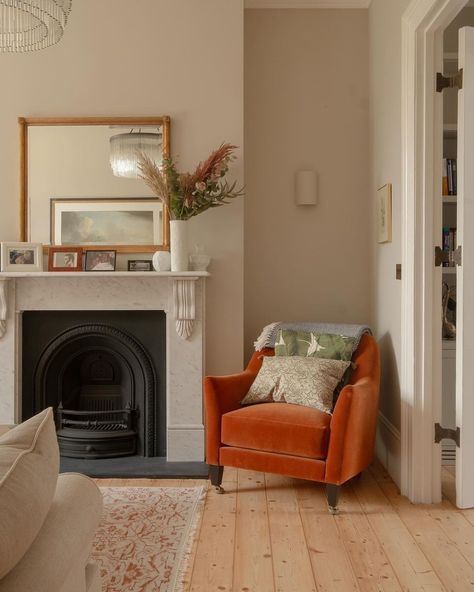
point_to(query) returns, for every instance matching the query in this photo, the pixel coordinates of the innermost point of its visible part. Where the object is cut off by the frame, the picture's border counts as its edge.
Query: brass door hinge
(452, 257)
(447, 433)
(450, 81)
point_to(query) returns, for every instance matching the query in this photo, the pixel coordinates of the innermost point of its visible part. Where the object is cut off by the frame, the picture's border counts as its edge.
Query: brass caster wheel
(219, 489)
(333, 510)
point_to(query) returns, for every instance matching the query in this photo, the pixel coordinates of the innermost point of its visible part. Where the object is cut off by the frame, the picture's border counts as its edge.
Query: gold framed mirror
(77, 188)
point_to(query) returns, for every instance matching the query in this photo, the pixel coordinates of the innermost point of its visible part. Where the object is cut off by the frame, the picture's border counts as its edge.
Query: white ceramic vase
(179, 245)
(162, 261)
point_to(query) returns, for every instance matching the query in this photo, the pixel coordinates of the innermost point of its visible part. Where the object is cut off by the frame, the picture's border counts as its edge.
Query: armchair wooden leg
(332, 495)
(215, 475)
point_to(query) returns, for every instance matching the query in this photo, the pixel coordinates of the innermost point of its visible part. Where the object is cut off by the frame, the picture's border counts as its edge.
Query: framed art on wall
(65, 259)
(384, 214)
(105, 222)
(20, 257)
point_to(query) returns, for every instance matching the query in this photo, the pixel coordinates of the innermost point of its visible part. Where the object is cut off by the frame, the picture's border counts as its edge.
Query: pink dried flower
(200, 186)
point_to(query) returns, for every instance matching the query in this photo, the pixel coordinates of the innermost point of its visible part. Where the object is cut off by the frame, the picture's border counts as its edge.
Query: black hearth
(103, 373)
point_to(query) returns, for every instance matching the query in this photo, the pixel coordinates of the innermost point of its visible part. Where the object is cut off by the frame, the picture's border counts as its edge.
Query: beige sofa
(47, 523)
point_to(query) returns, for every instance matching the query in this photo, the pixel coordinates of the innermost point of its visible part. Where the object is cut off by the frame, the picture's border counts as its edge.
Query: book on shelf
(445, 177)
(454, 168)
(449, 243)
(450, 181)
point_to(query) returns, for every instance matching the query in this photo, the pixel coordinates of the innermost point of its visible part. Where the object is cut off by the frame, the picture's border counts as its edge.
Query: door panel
(465, 276)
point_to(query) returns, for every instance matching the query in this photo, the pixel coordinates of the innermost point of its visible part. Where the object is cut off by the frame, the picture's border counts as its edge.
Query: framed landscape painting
(106, 221)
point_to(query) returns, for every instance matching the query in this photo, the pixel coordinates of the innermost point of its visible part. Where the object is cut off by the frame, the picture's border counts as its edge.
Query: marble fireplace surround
(181, 295)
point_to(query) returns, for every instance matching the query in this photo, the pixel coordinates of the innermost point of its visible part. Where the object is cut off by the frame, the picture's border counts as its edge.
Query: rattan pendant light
(29, 25)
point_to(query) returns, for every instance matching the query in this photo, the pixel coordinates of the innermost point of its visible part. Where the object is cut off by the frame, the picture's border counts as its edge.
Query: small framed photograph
(140, 265)
(65, 259)
(100, 260)
(22, 257)
(384, 214)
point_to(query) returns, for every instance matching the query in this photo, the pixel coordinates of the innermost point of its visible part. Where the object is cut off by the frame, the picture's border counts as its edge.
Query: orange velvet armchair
(293, 440)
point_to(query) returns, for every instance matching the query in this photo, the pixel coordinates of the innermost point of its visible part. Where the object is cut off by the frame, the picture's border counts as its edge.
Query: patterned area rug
(145, 538)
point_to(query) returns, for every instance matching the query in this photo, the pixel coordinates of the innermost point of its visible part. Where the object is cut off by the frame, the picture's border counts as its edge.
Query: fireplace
(176, 349)
(103, 374)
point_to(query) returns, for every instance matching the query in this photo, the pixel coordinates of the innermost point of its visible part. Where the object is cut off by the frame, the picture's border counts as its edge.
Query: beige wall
(385, 135)
(154, 57)
(306, 106)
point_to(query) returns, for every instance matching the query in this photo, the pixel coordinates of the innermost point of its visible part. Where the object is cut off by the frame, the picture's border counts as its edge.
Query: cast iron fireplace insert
(103, 374)
(96, 417)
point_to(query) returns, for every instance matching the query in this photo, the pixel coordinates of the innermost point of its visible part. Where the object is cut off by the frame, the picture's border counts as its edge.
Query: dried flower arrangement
(188, 194)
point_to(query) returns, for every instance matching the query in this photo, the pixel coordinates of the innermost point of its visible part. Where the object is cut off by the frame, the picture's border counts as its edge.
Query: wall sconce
(306, 188)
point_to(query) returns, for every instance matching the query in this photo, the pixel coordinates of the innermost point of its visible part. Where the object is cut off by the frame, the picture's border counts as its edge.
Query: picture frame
(21, 256)
(115, 223)
(384, 213)
(65, 259)
(138, 265)
(100, 260)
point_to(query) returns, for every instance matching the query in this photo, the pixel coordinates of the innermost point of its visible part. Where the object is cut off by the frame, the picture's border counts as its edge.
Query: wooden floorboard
(253, 565)
(214, 555)
(269, 533)
(413, 569)
(330, 562)
(371, 565)
(290, 554)
(450, 565)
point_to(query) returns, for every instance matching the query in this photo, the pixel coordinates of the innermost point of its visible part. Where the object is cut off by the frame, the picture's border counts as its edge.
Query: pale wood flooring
(269, 533)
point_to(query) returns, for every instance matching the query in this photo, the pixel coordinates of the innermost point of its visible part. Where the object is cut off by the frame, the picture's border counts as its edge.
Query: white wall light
(306, 188)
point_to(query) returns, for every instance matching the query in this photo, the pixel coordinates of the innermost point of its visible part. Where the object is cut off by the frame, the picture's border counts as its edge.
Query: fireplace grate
(93, 425)
(97, 433)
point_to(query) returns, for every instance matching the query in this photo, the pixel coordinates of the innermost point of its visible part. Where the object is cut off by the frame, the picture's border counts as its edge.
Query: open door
(465, 276)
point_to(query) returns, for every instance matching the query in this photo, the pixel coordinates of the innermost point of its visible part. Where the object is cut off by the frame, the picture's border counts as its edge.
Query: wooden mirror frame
(27, 122)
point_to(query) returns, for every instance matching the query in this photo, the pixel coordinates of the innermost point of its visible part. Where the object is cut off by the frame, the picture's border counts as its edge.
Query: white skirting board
(388, 447)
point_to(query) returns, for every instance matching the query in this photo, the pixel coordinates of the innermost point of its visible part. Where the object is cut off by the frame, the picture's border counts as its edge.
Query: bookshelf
(449, 184)
(449, 199)
(449, 223)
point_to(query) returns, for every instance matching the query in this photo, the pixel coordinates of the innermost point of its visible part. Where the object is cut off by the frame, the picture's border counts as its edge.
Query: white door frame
(422, 25)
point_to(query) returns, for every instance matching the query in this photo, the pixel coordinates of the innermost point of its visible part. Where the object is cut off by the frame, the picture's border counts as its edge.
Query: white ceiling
(307, 3)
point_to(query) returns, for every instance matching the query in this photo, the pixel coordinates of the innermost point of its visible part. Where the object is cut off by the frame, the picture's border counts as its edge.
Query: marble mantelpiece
(180, 295)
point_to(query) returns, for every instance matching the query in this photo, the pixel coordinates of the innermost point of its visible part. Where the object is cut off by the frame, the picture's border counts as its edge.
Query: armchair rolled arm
(221, 395)
(353, 427)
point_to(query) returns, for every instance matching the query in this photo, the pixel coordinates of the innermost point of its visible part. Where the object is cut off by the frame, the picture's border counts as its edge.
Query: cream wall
(154, 57)
(306, 106)
(385, 136)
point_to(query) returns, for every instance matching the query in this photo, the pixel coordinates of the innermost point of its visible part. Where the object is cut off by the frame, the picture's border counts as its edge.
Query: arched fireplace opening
(103, 386)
